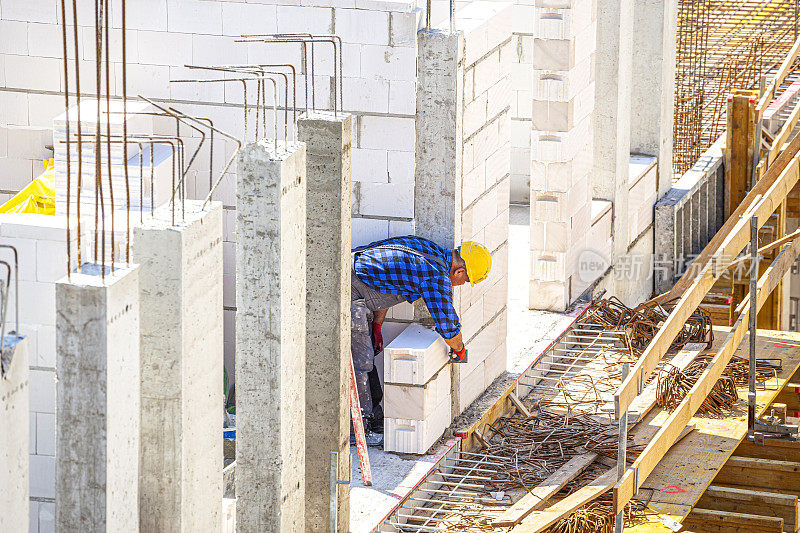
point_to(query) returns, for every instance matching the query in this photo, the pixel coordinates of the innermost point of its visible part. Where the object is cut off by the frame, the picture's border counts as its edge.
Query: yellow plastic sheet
(39, 196)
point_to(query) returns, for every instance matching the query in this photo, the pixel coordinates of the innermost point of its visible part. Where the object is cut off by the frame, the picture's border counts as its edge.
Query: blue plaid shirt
(398, 272)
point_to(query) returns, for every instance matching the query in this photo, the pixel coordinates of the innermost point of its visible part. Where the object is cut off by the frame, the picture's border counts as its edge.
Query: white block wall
(562, 103)
(488, 61)
(41, 244)
(22, 151)
(379, 56)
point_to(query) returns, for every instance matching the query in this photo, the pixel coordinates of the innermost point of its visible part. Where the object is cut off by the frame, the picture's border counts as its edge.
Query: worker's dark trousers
(363, 303)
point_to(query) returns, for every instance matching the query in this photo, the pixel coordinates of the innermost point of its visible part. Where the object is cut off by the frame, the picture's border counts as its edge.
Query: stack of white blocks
(40, 241)
(22, 151)
(416, 399)
(138, 191)
(561, 151)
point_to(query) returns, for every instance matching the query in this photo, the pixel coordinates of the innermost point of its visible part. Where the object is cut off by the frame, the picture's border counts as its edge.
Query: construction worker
(404, 269)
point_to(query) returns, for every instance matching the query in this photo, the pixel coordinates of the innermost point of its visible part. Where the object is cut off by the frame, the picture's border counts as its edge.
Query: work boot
(373, 438)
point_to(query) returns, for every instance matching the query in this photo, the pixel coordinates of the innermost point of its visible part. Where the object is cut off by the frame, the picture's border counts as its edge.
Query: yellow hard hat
(478, 261)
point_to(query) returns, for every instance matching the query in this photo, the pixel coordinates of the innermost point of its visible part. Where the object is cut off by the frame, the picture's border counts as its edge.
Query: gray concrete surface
(97, 424)
(612, 108)
(270, 336)
(327, 406)
(15, 437)
(655, 26)
(180, 288)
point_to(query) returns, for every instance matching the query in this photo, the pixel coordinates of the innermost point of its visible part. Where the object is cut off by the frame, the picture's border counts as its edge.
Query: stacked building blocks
(153, 169)
(416, 400)
(561, 153)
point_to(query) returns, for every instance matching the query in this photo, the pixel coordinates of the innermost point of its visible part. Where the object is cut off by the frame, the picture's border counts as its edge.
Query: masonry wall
(41, 244)
(486, 123)
(463, 173)
(379, 64)
(561, 158)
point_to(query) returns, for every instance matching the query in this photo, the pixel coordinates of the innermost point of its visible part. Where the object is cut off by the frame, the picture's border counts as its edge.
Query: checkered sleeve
(437, 293)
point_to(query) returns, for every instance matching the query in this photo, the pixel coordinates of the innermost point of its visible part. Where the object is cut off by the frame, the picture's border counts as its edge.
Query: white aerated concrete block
(417, 402)
(14, 438)
(415, 356)
(416, 436)
(97, 470)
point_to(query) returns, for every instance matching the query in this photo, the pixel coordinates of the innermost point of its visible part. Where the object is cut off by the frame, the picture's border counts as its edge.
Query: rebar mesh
(723, 45)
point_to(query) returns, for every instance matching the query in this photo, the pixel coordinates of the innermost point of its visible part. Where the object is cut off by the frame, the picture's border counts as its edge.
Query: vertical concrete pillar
(438, 159)
(15, 435)
(180, 485)
(437, 180)
(612, 113)
(271, 337)
(97, 414)
(655, 24)
(327, 137)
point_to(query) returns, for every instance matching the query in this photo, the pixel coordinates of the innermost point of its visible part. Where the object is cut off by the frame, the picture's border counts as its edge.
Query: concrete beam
(97, 424)
(328, 265)
(653, 88)
(612, 119)
(271, 337)
(15, 436)
(180, 485)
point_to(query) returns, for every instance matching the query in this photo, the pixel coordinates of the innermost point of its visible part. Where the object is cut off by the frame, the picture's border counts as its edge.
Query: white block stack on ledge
(416, 399)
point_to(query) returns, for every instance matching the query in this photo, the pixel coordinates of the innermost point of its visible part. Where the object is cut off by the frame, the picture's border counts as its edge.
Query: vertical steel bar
(66, 123)
(125, 138)
(107, 61)
(79, 133)
(751, 393)
(332, 507)
(622, 449)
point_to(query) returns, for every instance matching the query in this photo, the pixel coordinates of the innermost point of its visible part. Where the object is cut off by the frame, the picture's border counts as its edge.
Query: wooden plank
(772, 449)
(746, 522)
(684, 473)
(777, 80)
(767, 248)
(521, 409)
(537, 497)
(656, 449)
(658, 347)
(783, 134)
(738, 148)
(739, 500)
(732, 244)
(760, 473)
(760, 188)
(645, 402)
(541, 520)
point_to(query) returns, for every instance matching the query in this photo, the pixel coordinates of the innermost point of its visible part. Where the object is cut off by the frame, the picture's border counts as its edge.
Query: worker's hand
(377, 337)
(459, 356)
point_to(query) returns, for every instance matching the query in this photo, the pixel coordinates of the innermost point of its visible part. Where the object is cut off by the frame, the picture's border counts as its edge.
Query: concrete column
(97, 414)
(655, 24)
(180, 486)
(664, 271)
(612, 113)
(438, 161)
(15, 435)
(437, 179)
(327, 405)
(271, 337)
